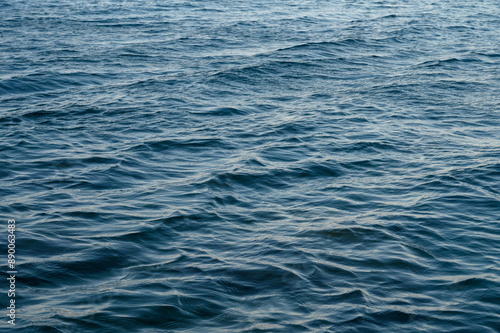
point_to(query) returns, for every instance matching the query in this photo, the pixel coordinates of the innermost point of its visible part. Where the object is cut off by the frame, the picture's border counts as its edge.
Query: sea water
(251, 166)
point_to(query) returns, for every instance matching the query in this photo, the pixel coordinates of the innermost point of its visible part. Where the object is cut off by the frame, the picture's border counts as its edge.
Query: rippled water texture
(252, 166)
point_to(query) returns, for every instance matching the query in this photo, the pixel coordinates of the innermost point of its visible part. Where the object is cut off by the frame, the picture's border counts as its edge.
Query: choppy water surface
(252, 166)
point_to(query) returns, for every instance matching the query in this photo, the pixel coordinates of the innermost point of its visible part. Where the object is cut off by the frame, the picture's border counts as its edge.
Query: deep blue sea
(251, 166)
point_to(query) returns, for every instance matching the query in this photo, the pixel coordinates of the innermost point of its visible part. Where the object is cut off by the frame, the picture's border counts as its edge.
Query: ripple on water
(246, 167)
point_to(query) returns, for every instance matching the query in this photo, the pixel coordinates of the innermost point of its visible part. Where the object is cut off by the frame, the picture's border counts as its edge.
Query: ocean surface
(251, 166)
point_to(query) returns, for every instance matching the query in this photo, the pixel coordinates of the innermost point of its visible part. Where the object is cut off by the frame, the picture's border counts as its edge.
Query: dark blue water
(251, 166)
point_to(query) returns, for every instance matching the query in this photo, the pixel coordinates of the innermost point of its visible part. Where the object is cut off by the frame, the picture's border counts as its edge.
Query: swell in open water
(251, 166)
